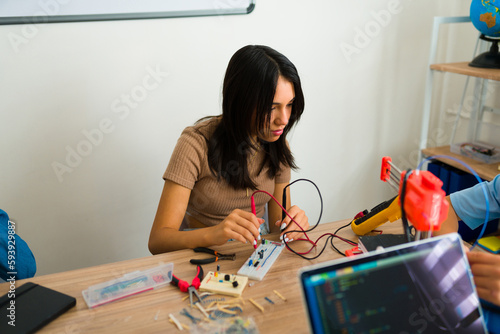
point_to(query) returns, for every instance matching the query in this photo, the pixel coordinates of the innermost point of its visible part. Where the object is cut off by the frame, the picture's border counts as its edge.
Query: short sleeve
(284, 175)
(187, 158)
(470, 204)
(23, 264)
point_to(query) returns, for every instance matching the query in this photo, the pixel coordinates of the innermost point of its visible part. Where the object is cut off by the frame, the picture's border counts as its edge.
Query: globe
(485, 16)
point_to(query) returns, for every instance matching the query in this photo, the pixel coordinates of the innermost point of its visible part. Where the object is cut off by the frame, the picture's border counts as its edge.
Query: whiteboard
(53, 11)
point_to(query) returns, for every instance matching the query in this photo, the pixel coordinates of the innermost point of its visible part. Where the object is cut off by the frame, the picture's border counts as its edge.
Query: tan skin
(485, 267)
(239, 225)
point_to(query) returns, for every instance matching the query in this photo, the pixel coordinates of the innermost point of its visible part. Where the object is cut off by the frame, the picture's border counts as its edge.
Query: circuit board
(224, 284)
(261, 260)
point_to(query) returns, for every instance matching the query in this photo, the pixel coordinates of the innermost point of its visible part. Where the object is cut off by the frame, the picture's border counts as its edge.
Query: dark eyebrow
(291, 101)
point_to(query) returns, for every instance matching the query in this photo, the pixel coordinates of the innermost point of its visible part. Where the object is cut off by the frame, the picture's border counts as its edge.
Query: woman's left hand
(287, 225)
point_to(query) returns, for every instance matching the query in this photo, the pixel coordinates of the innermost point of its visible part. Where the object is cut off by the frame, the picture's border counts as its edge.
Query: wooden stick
(229, 302)
(186, 327)
(223, 309)
(175, 321)
(202, 310)
(257, 305)
(279, 295)
(211, 305)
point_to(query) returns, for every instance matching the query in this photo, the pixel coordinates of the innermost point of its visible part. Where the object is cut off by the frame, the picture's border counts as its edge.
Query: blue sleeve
(470, 204)
(24, 265)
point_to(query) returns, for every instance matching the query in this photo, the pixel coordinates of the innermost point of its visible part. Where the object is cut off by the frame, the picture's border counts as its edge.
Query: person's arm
(469, 206)
(275, 215)
(25, 264)
(450, 225)
(165, 235)
(485, 268)
(274, 210)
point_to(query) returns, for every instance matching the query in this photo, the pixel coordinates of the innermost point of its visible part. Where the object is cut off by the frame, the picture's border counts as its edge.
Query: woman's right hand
(238, 225)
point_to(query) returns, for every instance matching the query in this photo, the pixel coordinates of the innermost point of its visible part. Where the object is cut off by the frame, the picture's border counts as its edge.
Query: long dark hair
(249, 88)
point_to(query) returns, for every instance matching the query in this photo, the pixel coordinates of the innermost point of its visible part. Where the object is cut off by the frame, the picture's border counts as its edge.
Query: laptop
(419, 287)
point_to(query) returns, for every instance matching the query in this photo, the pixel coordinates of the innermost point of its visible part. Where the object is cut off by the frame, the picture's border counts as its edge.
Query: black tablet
(30, 306)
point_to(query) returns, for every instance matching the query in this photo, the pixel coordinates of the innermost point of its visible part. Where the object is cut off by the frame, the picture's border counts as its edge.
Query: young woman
(219, 162)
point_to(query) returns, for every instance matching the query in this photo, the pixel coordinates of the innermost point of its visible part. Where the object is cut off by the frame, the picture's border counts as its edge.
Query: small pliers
(195, 284)
(217, 256)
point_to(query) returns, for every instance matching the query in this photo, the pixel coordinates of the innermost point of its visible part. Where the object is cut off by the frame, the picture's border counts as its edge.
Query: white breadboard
(270, 251)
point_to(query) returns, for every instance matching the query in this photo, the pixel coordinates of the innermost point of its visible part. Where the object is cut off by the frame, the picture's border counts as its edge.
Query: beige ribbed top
(211, 201)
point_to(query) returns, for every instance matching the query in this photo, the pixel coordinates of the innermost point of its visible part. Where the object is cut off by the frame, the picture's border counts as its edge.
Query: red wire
(314, 243)
(284, 210)
(317, 240)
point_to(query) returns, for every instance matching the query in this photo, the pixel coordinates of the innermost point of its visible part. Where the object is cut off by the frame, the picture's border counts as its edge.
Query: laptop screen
(418, 287)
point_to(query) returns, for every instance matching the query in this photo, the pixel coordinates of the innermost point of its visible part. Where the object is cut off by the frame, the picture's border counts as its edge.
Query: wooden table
(138, 313)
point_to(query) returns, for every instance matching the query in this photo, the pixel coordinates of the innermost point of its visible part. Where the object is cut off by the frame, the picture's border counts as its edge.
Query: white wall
(58, 81)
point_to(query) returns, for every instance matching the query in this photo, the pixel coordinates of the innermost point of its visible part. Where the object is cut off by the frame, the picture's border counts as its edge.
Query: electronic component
(269, 300)
(257, 305)
(279, 295)
(381, 214)
(231, 285)
(385, 211)
(424, 201)
(270, 250)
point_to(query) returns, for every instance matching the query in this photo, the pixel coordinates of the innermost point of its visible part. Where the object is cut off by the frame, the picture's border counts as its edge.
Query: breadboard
(270, 251)
(218, 284)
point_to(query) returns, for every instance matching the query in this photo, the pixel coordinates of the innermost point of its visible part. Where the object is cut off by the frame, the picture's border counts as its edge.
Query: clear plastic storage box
(477, 151)
(128, 285)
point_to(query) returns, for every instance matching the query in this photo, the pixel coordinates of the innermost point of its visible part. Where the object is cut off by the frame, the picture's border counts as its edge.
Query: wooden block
(219, 285)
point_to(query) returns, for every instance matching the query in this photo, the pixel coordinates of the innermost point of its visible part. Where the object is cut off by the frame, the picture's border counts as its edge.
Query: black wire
(329, 238)
(310, 258)
(348, 224)
(317, 223)
(320, 199)
(335, 233)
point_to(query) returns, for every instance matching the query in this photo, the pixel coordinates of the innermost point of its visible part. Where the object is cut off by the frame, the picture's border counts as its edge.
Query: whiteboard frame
(19, 15)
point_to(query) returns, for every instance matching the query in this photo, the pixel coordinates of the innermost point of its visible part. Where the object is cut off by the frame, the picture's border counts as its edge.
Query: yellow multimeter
(381, 214)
